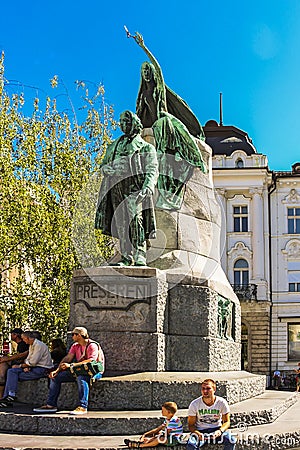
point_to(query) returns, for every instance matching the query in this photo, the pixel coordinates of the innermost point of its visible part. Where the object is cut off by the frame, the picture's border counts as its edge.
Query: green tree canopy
(46, 160)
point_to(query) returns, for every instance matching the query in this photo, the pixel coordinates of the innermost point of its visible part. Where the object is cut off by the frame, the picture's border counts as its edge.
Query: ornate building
(285, 253)
(261, 254)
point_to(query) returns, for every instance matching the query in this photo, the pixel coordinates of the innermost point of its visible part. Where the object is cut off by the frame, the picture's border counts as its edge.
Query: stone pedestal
(195, 339)
(146, 323)
(177, 314)
(125, 310)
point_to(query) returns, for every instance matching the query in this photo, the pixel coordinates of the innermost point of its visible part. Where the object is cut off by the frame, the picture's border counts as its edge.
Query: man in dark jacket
(125, 208)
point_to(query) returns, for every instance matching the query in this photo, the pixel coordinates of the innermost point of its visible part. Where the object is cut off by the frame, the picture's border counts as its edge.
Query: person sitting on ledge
(7, 362)
(82, 351)
(58, 351)
(34, 367)
(168, 433)
(209, 419)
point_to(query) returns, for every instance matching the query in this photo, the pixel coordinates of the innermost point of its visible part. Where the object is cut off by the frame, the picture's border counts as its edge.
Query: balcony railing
(245, 291)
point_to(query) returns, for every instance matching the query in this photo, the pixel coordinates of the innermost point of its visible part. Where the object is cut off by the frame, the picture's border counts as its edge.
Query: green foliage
(46, 161)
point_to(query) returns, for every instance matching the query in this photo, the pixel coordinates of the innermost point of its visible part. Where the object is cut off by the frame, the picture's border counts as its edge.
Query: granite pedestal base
(145, 323)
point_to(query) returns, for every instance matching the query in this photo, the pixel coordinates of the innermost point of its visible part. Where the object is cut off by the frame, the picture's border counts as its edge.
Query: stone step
(282, 434)
(261, 410)
(148, 390)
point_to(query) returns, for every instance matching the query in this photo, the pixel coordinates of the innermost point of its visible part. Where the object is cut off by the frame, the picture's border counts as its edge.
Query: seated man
(209, 419)
(35, 366)
(82, 351)
(17, 358)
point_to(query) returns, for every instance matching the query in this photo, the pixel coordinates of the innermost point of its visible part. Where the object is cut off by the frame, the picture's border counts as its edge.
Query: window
(239, 163)
(240, 218)
(294, 220)
(294, 287)
(241, 272)
(294, 276)
(294, 341)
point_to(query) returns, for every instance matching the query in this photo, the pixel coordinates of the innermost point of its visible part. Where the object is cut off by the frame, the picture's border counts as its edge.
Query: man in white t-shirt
(209, 419)
(35, 366)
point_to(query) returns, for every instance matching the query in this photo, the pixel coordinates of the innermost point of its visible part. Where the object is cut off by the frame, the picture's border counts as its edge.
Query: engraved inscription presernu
(112, 295)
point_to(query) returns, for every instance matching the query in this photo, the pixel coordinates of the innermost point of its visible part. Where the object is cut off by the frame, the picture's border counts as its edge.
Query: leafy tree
(47, 158)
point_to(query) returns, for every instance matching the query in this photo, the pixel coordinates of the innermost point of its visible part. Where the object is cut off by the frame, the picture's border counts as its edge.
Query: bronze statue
(175, 128)
(125, 208)
(224, 318)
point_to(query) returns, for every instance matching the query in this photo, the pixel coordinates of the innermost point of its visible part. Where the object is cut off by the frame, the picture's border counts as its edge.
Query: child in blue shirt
(168, 433)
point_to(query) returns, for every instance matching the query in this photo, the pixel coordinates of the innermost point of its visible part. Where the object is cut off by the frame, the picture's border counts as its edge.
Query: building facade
(285, 251)
(261, 248)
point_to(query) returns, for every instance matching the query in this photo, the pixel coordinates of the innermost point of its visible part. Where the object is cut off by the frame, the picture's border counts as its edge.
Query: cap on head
(18, 331)
(82, 331)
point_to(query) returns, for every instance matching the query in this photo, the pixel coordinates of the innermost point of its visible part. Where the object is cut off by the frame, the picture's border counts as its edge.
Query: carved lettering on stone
(111, 295)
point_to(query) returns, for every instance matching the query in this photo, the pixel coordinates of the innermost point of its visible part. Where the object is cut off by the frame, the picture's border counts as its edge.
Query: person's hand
(26, 369)
(64, 366)
(107, 170)
(139, 39)
(53, 373)
(146, 192)
(199, 435)
(217, 433)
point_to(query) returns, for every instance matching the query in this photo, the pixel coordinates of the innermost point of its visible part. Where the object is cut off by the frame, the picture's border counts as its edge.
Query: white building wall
(285, 249)
(250, 186)
(246, 186)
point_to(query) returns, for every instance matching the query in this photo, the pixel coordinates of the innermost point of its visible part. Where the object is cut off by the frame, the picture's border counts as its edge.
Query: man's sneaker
(5, 402)
(79, 410)
(45, 409)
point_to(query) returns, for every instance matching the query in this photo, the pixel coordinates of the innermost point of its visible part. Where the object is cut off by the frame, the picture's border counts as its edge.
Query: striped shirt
(174, 426)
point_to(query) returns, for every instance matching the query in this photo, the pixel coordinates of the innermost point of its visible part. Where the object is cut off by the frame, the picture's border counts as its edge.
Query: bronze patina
(175, 128)
(125, 207)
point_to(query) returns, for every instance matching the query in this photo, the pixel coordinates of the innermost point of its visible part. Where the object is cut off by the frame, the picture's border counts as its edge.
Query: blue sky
(249, 51)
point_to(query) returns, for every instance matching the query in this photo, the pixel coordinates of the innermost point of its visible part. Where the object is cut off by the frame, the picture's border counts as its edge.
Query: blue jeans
(226, 438)
(83, 384)
(14, 375)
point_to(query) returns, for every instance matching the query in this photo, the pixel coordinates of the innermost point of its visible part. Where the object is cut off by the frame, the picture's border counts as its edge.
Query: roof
(224, 140)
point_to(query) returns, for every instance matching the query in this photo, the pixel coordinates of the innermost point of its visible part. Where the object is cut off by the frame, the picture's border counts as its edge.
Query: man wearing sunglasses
(83, 350)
